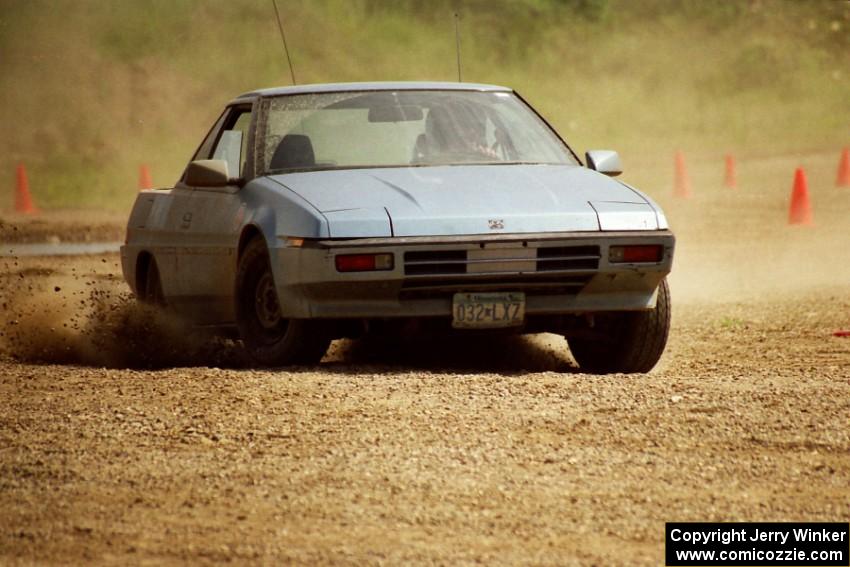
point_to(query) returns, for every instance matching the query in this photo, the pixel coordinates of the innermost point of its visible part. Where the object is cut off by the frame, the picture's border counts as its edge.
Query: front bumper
(560, 273)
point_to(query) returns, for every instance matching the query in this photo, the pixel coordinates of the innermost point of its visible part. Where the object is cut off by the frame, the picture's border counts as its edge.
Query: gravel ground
(418, 458)
(352, 463)
(124, 439)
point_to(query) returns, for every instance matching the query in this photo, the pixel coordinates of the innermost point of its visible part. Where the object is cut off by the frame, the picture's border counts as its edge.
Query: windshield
(402, 129)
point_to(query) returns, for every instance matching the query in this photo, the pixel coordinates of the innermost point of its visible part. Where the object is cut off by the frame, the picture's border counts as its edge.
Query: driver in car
(453, 133)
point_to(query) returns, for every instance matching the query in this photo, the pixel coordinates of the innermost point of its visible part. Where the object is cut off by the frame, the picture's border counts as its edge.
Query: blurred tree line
(91, 89)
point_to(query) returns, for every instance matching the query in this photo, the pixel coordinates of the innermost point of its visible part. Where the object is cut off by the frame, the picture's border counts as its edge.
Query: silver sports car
(315, 212)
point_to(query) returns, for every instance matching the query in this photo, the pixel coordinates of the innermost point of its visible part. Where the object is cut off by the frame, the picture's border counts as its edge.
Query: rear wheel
(630, 342)
(152, 291)
(270, 339)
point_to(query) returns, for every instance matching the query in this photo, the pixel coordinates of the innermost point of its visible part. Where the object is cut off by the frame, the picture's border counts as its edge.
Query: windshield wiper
(397, 166)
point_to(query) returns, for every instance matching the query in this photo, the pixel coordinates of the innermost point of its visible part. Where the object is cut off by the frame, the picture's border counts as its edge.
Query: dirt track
(453, 456)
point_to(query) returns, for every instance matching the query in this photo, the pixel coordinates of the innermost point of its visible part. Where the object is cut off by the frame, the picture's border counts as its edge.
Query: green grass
(93, 89)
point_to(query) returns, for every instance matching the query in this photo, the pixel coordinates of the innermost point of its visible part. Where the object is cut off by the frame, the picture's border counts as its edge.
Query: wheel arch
(143, 264)
(249, 233)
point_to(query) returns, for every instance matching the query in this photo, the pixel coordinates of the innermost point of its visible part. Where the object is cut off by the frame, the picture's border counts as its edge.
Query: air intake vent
(558, 258)
(428, 262)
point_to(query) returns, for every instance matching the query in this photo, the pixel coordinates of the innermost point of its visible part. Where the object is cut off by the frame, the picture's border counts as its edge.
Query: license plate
(488, 310)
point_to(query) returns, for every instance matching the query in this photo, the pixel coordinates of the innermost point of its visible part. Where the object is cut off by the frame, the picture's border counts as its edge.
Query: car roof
(378, 86)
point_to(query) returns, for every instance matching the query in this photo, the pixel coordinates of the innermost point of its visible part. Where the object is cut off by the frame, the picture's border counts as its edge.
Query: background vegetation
(91, 89)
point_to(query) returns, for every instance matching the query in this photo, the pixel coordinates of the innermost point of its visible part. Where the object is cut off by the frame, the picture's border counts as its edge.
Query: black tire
(152, 291)
(631, 342)
(269, 339)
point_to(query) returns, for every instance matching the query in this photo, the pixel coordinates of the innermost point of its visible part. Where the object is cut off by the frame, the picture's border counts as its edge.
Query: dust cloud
(736, 244)
(78, 312)
(88, 318)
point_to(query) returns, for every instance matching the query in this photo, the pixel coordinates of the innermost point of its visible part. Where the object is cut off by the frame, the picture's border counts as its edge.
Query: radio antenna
(457, 46)
(283, 37)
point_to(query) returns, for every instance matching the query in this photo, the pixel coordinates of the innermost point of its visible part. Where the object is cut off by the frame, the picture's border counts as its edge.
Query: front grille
(548, 270)
(501, 260)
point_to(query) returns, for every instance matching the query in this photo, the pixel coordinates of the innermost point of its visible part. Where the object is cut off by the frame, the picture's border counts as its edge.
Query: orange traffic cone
(145, 177)
(681, 183)
(800, 211)
(731, 179)
(843, 177)
(23, 199)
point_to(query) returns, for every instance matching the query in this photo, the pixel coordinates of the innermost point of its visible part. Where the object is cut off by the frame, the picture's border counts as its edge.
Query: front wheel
(630, 342)
(270, 339)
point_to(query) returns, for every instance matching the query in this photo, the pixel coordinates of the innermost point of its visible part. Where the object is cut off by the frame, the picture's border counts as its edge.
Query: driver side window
(228, 140)
(232, 144)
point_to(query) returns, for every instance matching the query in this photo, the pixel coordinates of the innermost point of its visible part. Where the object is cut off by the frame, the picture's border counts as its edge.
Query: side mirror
(208, 173)
(604, 161)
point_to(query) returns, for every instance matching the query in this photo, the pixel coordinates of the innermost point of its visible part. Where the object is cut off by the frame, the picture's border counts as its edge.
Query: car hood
(463, 200)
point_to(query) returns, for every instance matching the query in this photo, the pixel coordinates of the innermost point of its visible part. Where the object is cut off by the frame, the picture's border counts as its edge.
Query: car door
(210, 226)
(164, 224)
